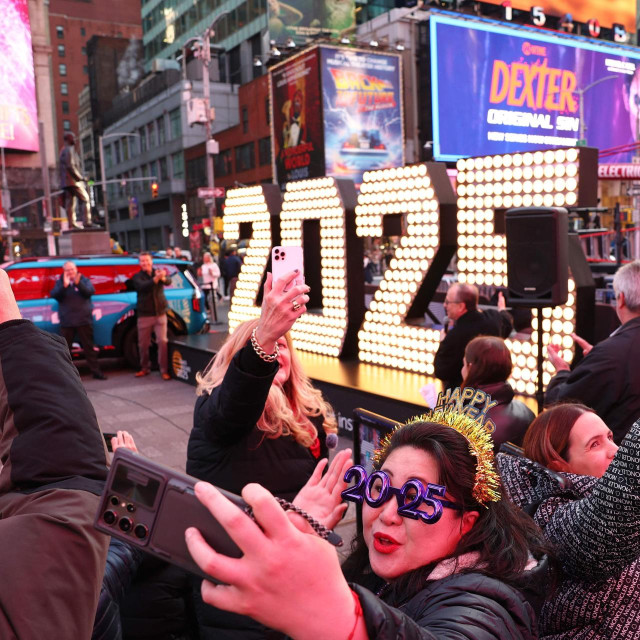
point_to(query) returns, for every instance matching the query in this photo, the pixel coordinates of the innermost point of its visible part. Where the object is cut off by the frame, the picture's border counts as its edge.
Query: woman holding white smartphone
(258, 419)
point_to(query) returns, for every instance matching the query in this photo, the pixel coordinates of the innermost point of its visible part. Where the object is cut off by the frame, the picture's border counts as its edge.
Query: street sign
(10, 232)
(633, 191)
(211, 192)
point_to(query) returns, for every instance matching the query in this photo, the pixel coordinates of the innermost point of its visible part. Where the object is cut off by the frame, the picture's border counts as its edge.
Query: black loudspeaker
(537, 256)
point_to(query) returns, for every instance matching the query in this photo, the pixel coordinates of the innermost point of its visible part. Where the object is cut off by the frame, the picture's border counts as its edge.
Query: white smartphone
(285, 260)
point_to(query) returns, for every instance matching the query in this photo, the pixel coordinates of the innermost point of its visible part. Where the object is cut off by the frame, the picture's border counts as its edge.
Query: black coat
(594, 527)
(462, 605)
(448, 359)
(607, 380)
(74, 302)
(227, 449)
(151, 298)
(511, 417)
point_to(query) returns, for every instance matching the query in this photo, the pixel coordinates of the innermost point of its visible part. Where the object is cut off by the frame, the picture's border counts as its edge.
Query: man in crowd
(169, 253)
(53, 468)
(73, 292)
(607, 379)
(178, 254)
(463, 323)
(230, 269)
(152, 314)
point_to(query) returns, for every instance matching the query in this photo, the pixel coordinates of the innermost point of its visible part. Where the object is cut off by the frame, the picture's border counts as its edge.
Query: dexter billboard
(336, 112)
(18, 110)
(519, 89)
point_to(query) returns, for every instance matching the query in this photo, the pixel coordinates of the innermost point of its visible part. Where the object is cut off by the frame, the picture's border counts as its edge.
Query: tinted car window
(108, 278)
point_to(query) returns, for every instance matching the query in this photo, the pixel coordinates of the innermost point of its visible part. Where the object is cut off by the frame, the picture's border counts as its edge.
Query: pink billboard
(18, 109)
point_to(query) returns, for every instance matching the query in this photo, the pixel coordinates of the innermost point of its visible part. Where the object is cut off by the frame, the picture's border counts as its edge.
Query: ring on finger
(296, 305)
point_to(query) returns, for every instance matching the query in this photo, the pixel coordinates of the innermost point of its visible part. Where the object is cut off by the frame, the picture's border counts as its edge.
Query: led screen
(606, 12)
(18, 111)
(362, 112)
(497, 89)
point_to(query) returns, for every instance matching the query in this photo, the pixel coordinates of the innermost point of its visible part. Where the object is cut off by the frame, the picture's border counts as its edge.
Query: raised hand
(320, 497)
(554, 358)
(280, 309)
(286, 579)
(123, 439)
(585, 346)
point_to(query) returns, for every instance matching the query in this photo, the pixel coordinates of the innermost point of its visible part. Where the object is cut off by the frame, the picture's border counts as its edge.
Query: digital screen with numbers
(18, 109)
(524, 90)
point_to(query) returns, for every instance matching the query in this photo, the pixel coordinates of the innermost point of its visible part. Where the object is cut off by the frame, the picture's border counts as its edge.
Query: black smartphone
(150, 506)
(107, 439)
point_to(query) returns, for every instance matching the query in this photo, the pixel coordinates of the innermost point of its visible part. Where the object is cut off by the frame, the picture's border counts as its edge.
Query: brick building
(72, 23)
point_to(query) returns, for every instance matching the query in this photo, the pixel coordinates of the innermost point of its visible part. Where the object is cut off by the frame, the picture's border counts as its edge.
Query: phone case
(150, 506)
(287, 259)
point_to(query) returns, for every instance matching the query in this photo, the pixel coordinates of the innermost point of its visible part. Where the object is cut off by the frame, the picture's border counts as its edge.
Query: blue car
(114, 303)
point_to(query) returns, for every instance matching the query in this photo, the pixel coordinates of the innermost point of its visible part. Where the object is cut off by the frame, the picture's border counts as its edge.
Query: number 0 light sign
(432, 225)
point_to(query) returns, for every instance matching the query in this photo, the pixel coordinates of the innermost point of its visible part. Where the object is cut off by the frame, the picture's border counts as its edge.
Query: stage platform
(346, 385)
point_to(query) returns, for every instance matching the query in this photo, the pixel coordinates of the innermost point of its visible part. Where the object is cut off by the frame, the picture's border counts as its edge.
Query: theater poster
(522, 89)
(362, 112)
(302, 19)
(18, 109)
(298, 150)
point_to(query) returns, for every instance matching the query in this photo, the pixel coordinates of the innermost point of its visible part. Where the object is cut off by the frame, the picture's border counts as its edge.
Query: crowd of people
(457, 540)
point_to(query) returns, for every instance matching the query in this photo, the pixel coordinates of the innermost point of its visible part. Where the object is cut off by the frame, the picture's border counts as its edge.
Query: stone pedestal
(88, 242)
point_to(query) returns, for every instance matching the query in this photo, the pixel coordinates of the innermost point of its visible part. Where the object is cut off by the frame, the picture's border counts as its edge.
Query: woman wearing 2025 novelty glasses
(476, 570)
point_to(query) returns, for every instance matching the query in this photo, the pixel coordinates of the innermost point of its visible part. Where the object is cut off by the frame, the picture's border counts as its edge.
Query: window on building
(83, 31)
(161, 127)
(108, 157)
(153, 169)
(62, 68)
(267, 110)
(61, 51)
(142, 132)
(125, 148)
(164, 172)
(85, 69)
(65, 106)
(151, 134)
(86, 146)
(196, 173)
(235, 66)
(60, 31)
(175, 124)
(245, 157)
(222, 163)
(66, 125)
(177, 164)
(84, 51)
(245, 120)
(116, 148)
(64, 88)
(264, 151)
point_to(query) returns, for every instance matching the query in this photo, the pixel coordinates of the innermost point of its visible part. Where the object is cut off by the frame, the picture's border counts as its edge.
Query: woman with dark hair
(589, 509)
(487, 366)
(446, 555)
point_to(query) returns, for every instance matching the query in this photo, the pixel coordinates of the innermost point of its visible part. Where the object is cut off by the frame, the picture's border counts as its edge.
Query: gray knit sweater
(595, 528)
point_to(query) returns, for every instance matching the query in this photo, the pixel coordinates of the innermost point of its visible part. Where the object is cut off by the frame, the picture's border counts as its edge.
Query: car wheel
(130, 348)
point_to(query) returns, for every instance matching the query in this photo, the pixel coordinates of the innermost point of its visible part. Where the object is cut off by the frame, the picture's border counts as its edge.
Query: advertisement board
(302, 19)
(18, 109)
(520, 89)
(362, 112)
(298, 150)
(605, 12)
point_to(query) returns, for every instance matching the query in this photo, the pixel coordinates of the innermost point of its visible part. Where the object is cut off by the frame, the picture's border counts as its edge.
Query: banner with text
(518, 90)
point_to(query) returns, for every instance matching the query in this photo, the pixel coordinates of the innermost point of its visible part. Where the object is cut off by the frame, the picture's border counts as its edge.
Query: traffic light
(154, 189)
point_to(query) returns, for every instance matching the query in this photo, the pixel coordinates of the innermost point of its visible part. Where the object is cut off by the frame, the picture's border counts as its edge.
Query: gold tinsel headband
(487, 481)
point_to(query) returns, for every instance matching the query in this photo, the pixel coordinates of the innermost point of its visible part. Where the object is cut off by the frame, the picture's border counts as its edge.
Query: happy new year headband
(464, 411)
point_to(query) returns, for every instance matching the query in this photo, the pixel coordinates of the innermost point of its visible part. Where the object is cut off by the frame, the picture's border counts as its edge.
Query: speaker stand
(540, 359)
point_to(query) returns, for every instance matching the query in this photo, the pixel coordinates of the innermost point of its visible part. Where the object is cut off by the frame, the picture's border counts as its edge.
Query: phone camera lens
(131, 508)
(109, 517)
(141, 531)
(283, 254)
(125, 524)
(114, 500)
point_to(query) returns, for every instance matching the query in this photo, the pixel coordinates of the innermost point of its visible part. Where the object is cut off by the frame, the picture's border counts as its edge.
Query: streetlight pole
(103, 180)
(581, 92)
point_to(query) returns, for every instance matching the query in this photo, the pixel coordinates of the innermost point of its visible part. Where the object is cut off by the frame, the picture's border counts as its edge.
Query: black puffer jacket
(594, 525)
(464, 606)
(511, 417)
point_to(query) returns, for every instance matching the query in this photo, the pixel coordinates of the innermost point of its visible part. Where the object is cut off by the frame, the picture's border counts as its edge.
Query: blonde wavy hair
(288, 408)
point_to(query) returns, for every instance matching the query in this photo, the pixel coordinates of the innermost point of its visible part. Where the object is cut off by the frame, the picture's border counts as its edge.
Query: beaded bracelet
(267, 357)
